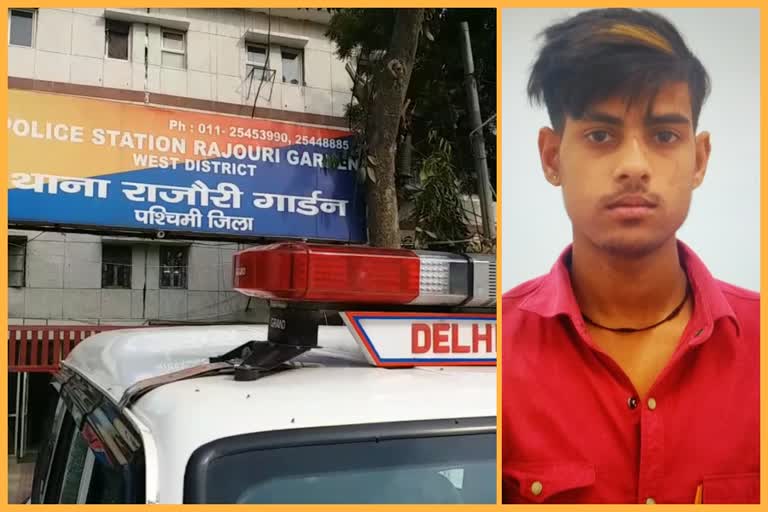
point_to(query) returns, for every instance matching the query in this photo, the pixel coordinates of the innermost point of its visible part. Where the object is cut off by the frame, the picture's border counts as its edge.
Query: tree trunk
(386, 108)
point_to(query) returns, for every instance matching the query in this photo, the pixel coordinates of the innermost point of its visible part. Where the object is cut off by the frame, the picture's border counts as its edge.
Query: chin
(632, 247)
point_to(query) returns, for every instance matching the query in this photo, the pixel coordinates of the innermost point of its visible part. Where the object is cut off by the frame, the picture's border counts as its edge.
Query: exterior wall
(63, 270)
(69, 47)
(63, 284)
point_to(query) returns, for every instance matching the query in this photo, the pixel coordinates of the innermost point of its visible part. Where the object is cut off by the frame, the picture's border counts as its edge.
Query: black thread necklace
(669, 317)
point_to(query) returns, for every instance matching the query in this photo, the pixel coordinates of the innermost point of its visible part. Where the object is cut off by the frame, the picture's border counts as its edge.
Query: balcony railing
(40, 348)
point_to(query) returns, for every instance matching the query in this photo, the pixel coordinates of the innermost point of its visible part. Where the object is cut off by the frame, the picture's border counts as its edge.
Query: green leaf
(410, 187)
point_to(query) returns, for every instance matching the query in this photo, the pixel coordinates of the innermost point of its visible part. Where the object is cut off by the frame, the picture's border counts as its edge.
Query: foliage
(435, 113)
(436, 95)
(438, 212)
(438, 89)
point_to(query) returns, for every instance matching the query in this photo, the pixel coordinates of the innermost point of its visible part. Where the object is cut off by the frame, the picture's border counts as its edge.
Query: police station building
(146, 146)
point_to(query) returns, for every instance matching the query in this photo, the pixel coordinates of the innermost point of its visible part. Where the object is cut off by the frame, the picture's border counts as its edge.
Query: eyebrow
(666, 119)
(650, 119)
(601, 117)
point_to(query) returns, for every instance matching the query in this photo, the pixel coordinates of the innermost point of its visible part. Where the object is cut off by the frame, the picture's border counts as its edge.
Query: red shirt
(572, 432)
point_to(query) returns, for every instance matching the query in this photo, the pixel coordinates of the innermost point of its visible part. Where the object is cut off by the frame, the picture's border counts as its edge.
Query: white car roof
(330, 386)
(115, 360)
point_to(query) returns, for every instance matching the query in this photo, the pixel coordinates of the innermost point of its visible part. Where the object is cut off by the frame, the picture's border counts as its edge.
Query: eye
(667, 137)
(599, 137)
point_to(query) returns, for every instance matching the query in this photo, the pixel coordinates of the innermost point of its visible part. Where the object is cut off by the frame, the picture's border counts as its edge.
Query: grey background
(723, 226)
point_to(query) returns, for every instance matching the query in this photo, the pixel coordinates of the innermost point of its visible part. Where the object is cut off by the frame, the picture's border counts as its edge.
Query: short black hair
(600, 53)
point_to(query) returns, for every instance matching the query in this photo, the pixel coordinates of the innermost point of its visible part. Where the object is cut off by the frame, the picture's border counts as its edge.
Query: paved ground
(19, 480)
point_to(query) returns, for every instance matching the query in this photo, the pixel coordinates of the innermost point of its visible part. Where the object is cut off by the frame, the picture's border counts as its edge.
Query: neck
(627, 291)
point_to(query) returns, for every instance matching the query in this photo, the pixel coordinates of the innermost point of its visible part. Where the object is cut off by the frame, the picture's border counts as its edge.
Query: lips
(631, 202)
(631, 207)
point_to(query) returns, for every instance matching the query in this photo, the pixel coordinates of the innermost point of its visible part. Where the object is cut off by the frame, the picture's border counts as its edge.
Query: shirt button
(632, 402)
(650, 501)
(652, 403)
(536, 488)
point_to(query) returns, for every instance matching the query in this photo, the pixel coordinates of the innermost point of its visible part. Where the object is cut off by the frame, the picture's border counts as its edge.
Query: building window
(173, 49)
(17, 261)
(257, 58)
(116, 264)
(117, 37)
(21, 27)
(293, 66)
(173, 267)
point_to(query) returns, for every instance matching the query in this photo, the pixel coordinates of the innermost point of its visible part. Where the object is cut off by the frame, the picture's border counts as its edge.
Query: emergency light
(303, 272)
(304, 280)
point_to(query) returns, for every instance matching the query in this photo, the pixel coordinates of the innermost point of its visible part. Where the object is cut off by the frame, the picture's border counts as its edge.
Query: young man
(630, 374)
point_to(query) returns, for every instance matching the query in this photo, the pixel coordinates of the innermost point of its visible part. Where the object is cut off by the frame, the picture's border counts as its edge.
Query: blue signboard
(83, 162)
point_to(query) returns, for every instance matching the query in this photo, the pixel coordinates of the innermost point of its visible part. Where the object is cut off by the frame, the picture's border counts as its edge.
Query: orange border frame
(447, 3)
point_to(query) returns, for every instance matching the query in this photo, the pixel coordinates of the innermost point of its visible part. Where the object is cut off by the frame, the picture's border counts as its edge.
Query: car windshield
(448, 469)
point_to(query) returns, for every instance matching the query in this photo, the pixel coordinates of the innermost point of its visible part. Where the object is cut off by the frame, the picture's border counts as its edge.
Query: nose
(633, 162)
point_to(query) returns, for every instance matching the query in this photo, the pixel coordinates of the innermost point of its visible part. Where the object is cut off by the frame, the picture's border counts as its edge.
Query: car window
(106, 483)
(73, 465)
(60, 456)
(443, 469)
(90, 475)
(54, 420)
(74, 469)
(80, 470)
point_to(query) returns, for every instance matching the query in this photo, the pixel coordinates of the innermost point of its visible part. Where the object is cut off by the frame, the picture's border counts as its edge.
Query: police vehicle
(374, 382)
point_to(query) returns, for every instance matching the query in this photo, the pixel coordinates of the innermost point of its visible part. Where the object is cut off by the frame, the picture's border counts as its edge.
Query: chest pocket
(732, 489)
(540, 483)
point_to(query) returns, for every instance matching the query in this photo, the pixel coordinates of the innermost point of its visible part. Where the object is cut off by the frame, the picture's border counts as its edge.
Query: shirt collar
(554, 296)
